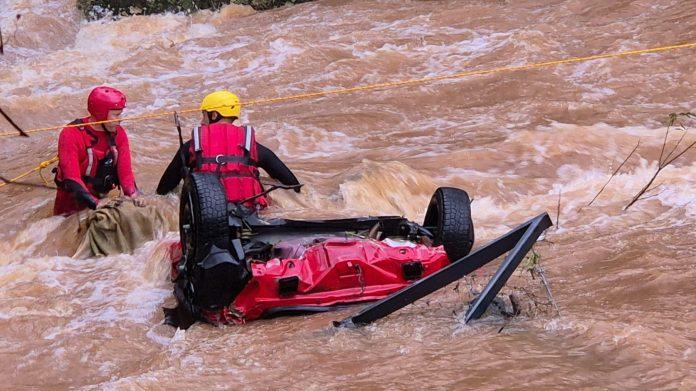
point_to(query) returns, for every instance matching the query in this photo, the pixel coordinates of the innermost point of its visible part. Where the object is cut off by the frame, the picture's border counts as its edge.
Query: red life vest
(230, 151)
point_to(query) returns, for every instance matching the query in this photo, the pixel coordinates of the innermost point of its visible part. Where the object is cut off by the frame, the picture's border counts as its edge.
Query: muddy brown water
(624, 280)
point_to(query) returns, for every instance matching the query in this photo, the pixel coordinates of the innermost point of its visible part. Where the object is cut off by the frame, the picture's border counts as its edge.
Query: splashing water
(514, 141)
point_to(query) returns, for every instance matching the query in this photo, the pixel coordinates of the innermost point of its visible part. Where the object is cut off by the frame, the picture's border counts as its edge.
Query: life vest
(100, 175)
(230, 152)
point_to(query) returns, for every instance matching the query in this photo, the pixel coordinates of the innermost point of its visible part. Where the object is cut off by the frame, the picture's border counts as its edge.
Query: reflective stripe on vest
(90, 154)
(197, 138)
(247, 137)
(90, 161)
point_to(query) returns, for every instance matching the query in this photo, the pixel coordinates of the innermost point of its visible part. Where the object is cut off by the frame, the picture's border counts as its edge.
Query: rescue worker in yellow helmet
(220, 146)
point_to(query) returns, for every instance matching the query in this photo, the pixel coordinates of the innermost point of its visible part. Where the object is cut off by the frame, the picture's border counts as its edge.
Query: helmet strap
(218, 117)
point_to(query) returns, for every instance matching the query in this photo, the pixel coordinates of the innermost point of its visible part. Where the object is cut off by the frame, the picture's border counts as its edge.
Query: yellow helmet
(224, 102)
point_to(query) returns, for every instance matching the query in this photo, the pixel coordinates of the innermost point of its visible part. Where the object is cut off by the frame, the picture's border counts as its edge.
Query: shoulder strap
(113, 147)
(197, 138)
(90, 161)
(90, 152)
(91, 134)
(248, 137)
(198, 151)
(56, 169)
(77, 122)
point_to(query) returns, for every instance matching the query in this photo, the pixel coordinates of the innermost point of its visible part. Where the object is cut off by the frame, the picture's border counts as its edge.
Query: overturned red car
(232, 267)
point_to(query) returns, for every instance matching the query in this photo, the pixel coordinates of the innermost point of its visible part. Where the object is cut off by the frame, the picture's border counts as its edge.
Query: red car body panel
(333, 272)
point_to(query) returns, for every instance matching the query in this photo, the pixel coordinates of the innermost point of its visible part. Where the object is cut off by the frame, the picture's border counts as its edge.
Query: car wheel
(202, 216)
(449, 218)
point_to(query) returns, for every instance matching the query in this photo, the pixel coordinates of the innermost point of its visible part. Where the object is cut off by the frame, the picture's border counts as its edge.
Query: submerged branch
(614, 173)
(664, 142)
(652, 195)
(676, 146)
(682, 152)
(558, 209)
(540, 271)
(669, 158)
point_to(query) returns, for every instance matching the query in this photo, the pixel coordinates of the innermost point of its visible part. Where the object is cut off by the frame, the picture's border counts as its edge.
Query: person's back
(219, 146)
(230, 152)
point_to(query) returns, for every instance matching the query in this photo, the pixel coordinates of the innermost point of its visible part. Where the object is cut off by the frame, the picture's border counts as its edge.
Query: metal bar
(182, 153)
(508, 266)
(14, 125)
(309, 226)
(441, 278)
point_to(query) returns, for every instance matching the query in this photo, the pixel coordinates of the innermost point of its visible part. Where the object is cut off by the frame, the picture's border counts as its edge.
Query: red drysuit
(81, 149)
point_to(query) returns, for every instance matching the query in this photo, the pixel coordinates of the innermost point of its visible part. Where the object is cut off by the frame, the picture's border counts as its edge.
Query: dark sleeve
(81, 194)
(275, 167)
(174, 172)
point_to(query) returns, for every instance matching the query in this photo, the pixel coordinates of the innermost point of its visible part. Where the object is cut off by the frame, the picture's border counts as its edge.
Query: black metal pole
(21, 132)
(184, 166)
(508, 266)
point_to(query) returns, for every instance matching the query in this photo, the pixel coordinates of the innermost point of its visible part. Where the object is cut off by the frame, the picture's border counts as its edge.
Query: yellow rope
(40, 167)
(355, 89)
(389, 84)
(133, 118)
(473, 73)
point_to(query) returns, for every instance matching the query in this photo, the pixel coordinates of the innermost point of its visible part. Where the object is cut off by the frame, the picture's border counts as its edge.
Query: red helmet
(102, 99)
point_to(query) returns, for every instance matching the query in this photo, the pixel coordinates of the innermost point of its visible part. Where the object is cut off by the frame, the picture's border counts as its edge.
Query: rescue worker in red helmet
(231, 151)
(94, 159)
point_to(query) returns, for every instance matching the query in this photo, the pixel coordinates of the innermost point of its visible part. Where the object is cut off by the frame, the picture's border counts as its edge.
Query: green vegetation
(95, 9)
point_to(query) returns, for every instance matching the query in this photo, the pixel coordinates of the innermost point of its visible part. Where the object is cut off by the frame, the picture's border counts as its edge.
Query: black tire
(202, 216)
(449, 217)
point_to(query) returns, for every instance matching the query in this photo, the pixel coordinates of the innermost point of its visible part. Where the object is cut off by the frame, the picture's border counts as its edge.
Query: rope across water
(370, 87)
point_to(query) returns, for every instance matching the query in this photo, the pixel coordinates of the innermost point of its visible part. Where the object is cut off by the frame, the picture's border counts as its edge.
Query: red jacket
(74, 194)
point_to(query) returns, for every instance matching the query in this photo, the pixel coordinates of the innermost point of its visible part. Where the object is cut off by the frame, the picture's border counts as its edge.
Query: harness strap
(237, 174)
(224, 159)
(197, 150)
(112, 146)
(197, 138)
(88, 177)
(90, 161)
